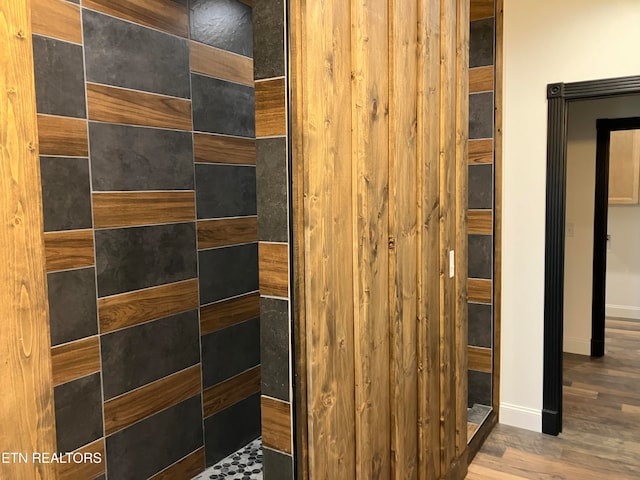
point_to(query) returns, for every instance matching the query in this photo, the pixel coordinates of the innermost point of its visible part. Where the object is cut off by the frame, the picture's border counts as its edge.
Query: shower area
(163, 352)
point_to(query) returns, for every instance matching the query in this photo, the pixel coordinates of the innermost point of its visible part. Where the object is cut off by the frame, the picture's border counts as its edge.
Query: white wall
(581, 164)
(545, 41)
(623, 262)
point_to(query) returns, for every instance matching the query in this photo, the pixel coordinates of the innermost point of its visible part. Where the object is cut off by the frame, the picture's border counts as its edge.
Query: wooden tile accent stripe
(74, 471)
(76, 359)
(230, 391)
(273, 268)
(133, 308)
(166, 15)
(481, 151)
(227, 231)
(479, 359)
(480, 79)
(479, 290)
(481, 9)
(276, 424)
(68, 249)
(480, 222)
(56, 19)
(219, 63)
(125, 209)
(211, 148)
(270, 108)
(122, 411)
(188, 467)
(223, 314)
(62, 136)
(118, 105)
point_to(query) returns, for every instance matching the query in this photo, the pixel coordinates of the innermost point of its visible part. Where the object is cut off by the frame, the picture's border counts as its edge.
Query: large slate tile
(135, 356)
(139, 257)
(59, 75)
(230, 351)
(66, 193)
(222, 107)
(224, 24)
(227, 272)
(480, 256)
(480, 325)
(268, 39)
(481, 41)
(78, 407)
(277, 464)
(225, 190)
(481, 115)
(124, 54)
(145, 448)
(232, 428)
(137, 158)
(272, 189)
(479, 388)
(72, 305)
(274, 347)
(480, 186)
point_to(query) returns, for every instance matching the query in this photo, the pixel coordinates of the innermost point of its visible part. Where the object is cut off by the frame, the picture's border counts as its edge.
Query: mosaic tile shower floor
(245, 464)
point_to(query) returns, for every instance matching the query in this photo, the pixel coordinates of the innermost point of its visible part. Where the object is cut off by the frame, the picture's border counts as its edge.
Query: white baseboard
(622, 311)
(579, 346)
(522, 417)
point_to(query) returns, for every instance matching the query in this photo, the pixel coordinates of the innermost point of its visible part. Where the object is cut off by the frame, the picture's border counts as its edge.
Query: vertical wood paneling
(26, 399)
(370, 159)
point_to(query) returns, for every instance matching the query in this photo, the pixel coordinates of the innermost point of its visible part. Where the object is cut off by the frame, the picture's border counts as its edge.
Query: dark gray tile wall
(222, 107)
(72, 305)
(479, 388)
(481, 115)
(138, 158)
(139, 257)
(268, 50)
(224, 24)
(230, 351)
(225, 190)
(232, 428)
(274, 347)
(141, 450)
(480, 256)
(271, 173)
(138, 355)
(481, 186)
(66, 193)
(228, 272)
(277, 465)
(59, 77)
(480, 325)
(481, 42)
(78, 407)
(127, 55)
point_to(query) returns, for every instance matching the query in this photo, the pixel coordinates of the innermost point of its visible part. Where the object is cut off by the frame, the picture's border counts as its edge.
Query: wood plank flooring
(601, 431)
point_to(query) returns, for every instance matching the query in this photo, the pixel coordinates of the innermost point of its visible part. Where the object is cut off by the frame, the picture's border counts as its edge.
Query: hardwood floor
(601, 431)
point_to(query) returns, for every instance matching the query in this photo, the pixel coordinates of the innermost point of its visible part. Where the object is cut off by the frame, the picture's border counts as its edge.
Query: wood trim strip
(223, 314)
(271, 119)
(480, 222)
(219, 63)
(133, 308)
(230, 392)
(188, 467)
(273, 269)
(126, 209)
(222, 232)
(68, 249)
(73, 471)
(212, 148)
(125, 410)
(481, 9)
(480, 290)
(76, 359)
(165, 15)
(481, 151)
(276, 424)
(481, 79)
(479, 359)
(118, 105)
(62, 136)
(56, 19)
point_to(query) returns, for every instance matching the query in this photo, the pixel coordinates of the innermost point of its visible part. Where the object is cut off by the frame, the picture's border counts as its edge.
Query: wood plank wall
(26, 398)
(379, 131)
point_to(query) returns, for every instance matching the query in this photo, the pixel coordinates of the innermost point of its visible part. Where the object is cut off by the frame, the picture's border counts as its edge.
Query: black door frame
(559, 95)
